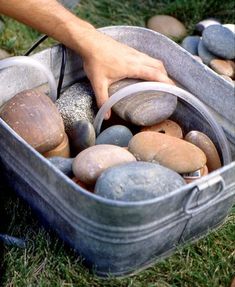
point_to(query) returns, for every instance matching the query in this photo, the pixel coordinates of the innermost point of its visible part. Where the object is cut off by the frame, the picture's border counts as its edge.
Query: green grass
(47, 262)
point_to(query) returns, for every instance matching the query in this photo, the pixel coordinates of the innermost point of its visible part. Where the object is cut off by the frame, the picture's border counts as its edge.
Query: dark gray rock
(143, 108)
(117, 135)
(137, 181)
(63, 164)
(81, 135)
(220, 41)
(202, 25)
(190, 44)
(205, 54)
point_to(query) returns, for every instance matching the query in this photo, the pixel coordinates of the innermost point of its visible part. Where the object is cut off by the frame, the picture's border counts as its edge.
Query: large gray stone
(137, 181)
(117, 135)
(220, 41)
(143, 108)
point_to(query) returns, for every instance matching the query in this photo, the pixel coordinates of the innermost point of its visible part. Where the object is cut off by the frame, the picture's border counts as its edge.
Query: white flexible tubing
(162, 87)
(27, 61)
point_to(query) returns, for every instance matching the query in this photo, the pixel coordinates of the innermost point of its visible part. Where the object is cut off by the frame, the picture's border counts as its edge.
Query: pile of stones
(212, 44)
(140, 154)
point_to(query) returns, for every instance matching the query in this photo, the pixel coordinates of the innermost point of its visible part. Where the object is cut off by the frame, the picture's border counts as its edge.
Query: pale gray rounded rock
(117, 135)
(137, 181)
(81, 135)
(143, 108)
(231, 27)
(220, 41)
(202, 25)
(77, 103)
(205, 54)
(63, 164)
(190, 44)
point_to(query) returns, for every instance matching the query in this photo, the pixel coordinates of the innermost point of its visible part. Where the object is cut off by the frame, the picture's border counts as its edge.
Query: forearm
(50, 18)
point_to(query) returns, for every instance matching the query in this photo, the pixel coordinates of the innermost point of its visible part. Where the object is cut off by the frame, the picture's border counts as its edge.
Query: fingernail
(107, 115)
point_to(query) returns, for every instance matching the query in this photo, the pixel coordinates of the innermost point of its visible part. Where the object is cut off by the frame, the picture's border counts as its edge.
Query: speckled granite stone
(77, 103)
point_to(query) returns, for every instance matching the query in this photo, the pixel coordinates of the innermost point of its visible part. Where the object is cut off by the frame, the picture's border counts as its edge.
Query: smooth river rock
(62, 150)
(35, 118)
(220, 41)
(171, 152)
(90, 163)
(223, 67)
(231, 27)
(168, 127)
(77, 103)
(137, 181)
(143, 108)
(190, 43)
(205, 54)
(168, 26)
(116, 135)
(202, 141)
(81, 135)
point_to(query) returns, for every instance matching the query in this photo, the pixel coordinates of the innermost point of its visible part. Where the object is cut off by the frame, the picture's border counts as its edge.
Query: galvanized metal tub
(114, 237)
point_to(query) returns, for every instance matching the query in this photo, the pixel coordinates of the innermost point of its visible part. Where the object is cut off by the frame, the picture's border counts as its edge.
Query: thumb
(100, 88)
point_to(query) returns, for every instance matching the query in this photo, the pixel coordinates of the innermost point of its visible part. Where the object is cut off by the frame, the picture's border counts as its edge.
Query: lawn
(47, 261)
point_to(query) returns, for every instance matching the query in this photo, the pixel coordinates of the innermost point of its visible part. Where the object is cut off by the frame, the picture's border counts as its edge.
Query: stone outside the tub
(220, 41)
(190, 43)
(168, 26)
(205, 54)
(200, 26)
(223, 67)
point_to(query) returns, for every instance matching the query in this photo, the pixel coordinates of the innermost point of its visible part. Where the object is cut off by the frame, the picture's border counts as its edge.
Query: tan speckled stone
(168, 151)
(91, 162)
(223, 67)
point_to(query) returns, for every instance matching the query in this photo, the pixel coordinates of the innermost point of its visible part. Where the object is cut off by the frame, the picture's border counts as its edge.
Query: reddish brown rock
(91, 162)
(83, 185)
(168, 151)
(206, 145)
(35, 118)
(168, 127)
(189, 177)
(168, 26)
(61, 150)
(223, 67)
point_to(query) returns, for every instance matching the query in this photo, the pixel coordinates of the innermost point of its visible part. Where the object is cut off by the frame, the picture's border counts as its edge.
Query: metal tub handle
(217, 180)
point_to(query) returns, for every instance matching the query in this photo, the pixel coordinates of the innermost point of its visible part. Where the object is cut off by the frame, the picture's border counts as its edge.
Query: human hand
(107, 61)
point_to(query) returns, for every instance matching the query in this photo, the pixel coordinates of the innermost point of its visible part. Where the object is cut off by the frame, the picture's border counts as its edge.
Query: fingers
(100, 88)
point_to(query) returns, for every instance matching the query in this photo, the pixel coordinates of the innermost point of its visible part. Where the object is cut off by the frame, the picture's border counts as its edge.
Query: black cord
(35, 45)
(62, 70)
(63, 61)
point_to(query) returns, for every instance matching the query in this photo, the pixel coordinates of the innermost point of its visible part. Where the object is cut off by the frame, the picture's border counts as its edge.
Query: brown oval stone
(206, 145)
(189, 177)
(168, 26)
(91, 162)
(168, 127)
(168, 151)
(35, 118)
(61, 150)
(223, 67)
(83, 185)
(143, 108)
